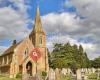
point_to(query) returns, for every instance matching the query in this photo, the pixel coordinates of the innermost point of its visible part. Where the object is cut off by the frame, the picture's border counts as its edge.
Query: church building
(17, 59)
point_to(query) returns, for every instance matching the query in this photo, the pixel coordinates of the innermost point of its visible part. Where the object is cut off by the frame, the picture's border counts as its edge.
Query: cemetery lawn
(6, 78)
(68, 77)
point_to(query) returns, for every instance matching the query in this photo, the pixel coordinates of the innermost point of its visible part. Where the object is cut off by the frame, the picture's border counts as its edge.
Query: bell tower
(38, 35)
(38, 39)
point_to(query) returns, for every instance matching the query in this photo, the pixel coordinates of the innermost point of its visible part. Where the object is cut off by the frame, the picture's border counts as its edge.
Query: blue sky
(46, 6)
(63, 20)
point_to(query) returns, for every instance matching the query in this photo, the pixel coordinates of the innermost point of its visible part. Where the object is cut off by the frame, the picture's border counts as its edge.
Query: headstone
(69, 71)
(86, 71)
(93, 70)
(79, 76)
(57, 74)
(51, 75)
(64, 71)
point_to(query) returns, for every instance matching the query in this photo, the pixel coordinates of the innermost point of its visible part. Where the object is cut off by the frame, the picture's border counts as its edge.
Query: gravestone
(93, 70)
(69, 71)
(51, 75)
(64, 71)
(57, 74)
(79, 75)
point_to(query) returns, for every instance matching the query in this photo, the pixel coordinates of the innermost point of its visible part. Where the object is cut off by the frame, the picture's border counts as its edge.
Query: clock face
(35, 54)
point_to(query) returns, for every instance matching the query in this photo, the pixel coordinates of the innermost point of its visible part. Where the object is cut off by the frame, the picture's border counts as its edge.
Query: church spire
(38, 36)
(38, 24)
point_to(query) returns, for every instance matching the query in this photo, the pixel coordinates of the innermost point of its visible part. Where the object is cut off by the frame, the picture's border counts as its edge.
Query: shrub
(44, 74)
(19, 75)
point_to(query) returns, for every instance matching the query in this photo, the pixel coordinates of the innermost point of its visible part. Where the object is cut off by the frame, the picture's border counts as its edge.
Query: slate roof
(10, 49)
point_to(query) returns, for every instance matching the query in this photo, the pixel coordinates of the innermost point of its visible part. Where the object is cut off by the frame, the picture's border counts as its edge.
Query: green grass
(68, 77)
(7, 78)
(93, 76)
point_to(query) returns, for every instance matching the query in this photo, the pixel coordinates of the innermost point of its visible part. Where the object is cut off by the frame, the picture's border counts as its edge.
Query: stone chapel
(16, 58)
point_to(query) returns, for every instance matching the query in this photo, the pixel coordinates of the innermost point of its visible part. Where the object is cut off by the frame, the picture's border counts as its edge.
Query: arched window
(40, 40)
(26, 52)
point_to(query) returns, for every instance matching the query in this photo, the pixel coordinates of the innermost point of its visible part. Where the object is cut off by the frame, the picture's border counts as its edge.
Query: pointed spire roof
(38, 24)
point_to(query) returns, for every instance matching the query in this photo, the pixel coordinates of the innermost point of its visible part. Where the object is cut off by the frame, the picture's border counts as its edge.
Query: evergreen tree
(96, 62)
(67, 56)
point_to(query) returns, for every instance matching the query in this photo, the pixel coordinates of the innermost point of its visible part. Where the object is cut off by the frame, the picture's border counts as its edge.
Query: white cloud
(86, 29)
(63, 22)
(89, 8)
(21, 4)
(72, 29)
(12, 21)
(12, 24)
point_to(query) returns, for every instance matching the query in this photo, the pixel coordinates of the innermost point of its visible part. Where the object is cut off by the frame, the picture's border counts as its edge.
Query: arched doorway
(29, 68)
